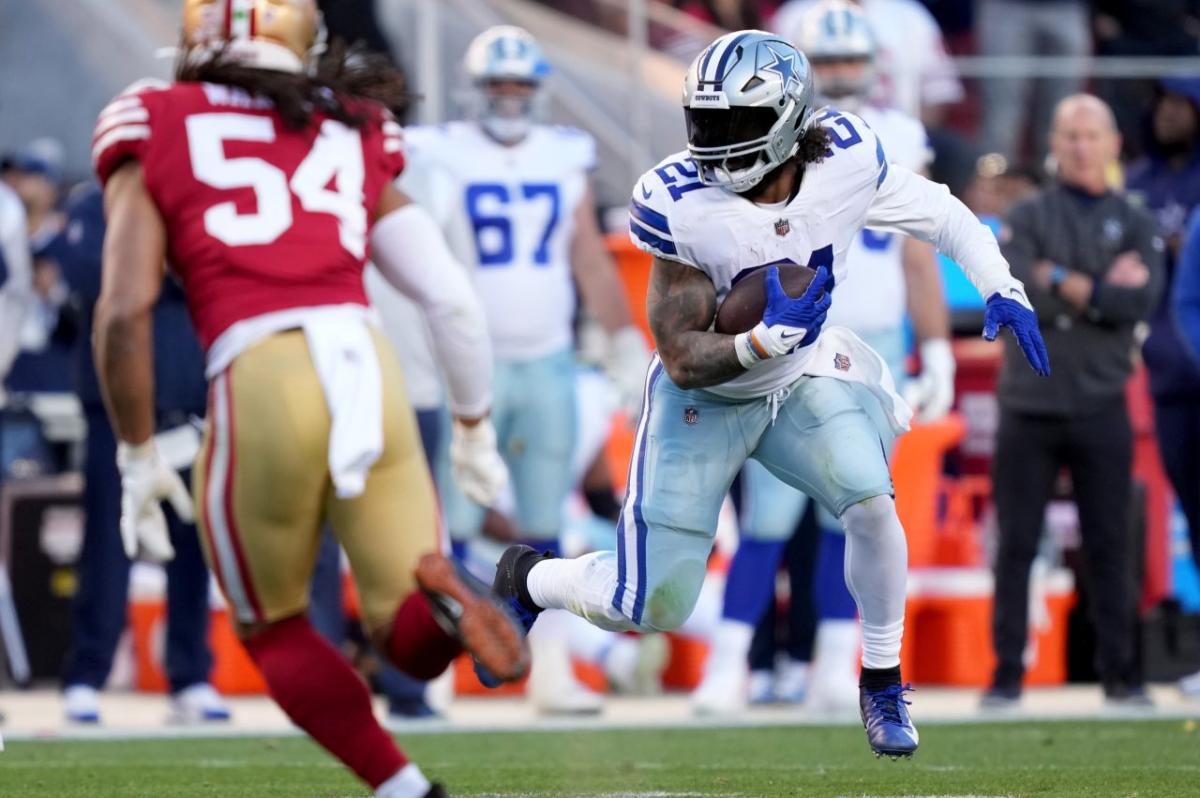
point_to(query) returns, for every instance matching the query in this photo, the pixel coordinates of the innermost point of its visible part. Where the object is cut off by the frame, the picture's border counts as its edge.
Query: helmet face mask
(505, 69)
(748, 99)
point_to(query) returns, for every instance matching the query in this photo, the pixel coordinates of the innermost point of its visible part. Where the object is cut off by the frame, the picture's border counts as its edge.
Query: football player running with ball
(263, 173)
(767, 180)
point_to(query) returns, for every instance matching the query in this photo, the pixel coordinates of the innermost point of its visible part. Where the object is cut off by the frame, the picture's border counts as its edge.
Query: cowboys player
(514, 199)
(887, 272)
(766, 180)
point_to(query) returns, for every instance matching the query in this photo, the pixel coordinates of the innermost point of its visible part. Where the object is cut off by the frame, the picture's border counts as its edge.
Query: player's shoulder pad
(912, 148)
(577, 147)
(855, 151)
(124, 126)
(659, 218)
(435, 143)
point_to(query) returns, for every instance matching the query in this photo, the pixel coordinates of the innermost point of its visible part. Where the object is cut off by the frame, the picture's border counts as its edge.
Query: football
(747, 298)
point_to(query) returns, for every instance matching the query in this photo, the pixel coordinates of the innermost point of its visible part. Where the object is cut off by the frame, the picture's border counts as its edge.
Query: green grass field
(1089, 760)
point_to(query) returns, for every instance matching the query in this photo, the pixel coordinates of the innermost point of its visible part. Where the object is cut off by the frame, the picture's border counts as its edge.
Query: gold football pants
(263, 491)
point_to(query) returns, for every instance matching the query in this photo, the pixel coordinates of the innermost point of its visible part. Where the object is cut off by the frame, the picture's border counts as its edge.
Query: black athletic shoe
(437, 791)
(510, 589)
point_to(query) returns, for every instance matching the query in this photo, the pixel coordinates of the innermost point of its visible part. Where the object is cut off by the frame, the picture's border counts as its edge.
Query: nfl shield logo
(691, 415)
(841, 362)
(782, 227)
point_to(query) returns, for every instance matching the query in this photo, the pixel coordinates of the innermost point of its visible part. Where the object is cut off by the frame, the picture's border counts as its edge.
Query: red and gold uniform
(267, 229)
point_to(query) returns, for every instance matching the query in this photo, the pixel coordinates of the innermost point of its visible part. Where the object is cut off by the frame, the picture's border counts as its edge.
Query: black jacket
(1091, 353)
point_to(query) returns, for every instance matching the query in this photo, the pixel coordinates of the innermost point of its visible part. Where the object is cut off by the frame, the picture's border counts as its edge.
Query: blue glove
(1015, 313)
(806, 311)
(788, 323)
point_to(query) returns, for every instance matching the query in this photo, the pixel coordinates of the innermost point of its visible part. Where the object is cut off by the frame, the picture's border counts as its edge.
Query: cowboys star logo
(785, 67)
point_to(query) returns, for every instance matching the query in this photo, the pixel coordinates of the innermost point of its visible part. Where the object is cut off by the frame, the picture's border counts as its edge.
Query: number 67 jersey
(509, 213)
(260, 217)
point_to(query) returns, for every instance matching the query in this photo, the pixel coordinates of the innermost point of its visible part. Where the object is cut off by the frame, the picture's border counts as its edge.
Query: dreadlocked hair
(345, 77)
(814, 145)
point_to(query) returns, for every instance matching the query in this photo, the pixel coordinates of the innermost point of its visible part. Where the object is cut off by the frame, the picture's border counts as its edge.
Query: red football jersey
(259, 217)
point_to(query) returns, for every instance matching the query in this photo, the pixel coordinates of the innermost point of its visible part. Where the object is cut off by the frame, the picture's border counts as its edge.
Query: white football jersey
(873, 295)
(676, 217)
(509, 215)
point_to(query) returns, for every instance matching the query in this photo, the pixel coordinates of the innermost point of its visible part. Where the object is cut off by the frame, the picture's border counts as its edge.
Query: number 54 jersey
(508, 213)
(260, 217)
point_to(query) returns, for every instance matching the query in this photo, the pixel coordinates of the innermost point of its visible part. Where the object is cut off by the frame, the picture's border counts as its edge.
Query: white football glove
(147, 480)
(478, 468)
(931, 393)
(628, 358)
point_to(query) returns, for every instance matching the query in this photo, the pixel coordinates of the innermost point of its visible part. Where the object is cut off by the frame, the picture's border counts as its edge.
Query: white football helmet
(838, 31)
(505, 53)
(748, 100)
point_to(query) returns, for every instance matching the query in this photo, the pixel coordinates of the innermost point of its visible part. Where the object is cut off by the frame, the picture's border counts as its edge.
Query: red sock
(315, 685)
(418, 644)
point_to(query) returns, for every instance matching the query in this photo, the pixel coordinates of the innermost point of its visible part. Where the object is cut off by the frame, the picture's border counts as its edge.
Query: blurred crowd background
(984, 77)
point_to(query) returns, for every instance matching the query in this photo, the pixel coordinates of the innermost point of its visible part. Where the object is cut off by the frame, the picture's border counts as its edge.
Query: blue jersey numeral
(851, 137)
(676, 171)
(496, 249)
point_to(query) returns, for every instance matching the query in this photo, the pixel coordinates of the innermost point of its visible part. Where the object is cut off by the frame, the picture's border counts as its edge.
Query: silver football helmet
(838, 31)
(499, 54)
(748, 100)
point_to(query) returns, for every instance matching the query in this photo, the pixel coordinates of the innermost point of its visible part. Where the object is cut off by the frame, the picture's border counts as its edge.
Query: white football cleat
(82, 704)
(200, 703)
(725, 688)
(791, 681)
(1190, 685)
(762, 687)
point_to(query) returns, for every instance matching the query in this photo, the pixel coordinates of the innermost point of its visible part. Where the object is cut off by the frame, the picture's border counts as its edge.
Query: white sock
(409, 782)
(731, 642)
(583, 585)
(877, 575)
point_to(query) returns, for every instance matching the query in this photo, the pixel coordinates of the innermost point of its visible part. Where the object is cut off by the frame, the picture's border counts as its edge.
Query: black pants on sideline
(1177, 424)
(1097, 449)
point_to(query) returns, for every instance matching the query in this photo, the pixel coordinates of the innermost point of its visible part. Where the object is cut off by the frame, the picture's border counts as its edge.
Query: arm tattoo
(681, 303)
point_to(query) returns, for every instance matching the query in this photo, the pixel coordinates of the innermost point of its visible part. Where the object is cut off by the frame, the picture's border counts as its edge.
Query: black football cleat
(466, 610)
(890, 731)
(509, 588)
(437, 791)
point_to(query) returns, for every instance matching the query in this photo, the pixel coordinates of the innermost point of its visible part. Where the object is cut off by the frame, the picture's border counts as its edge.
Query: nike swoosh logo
(645, 194)
(785, 337)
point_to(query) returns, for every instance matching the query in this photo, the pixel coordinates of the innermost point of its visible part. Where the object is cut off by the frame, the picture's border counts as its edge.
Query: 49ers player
(262, 176)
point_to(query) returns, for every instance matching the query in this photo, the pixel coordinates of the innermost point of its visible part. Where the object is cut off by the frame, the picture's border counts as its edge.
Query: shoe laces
(887, 701)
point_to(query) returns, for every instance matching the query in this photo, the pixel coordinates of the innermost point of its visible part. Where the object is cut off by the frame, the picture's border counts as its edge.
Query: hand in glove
(146, 481)
(931, 393)
(478, 468)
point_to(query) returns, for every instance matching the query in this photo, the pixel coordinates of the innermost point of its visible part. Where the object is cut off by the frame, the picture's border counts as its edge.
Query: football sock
(583, 585)
(315, 685)
(418, 645)
(750, 583)
(410, 782)
(833, 599)
(731, 644)
(879, 678)
(876, 572)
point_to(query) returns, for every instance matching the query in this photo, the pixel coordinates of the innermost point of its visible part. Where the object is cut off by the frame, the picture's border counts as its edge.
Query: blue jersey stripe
(639, 599)
(650, 217)
(879, 155)
(646, 237)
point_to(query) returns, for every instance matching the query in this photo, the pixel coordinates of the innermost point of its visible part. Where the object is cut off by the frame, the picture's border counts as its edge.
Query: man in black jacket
(1092, 266)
